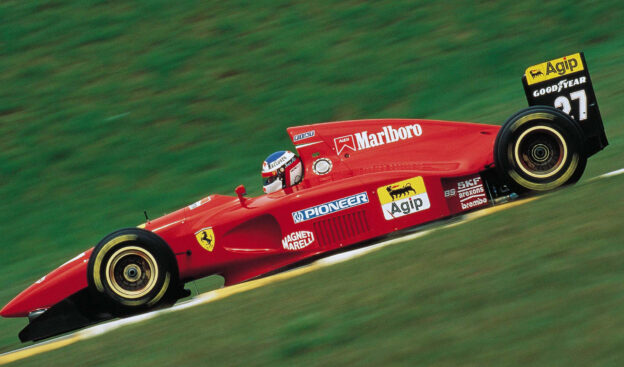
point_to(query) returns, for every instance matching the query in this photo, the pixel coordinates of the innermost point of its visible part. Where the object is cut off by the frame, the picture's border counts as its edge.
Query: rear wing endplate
(565, 84)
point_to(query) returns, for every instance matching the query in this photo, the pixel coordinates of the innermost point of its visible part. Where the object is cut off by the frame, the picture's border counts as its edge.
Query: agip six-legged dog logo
(396, 193)
(535, 73)
(403, 198)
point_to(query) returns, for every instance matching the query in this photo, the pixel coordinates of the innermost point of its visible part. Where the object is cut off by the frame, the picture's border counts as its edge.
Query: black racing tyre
(540, 148)
(134, 269)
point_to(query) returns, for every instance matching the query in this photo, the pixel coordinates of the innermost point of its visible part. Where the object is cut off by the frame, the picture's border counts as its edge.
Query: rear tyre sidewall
(539, 149)
(133, 270)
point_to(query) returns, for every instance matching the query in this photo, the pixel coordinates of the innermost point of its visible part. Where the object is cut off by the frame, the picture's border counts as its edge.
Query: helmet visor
(268, 180)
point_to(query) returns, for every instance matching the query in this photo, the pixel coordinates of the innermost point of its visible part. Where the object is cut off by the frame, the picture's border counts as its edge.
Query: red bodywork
(362, 179)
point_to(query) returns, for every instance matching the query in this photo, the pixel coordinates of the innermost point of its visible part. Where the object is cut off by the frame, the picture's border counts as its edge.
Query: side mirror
(240, 191)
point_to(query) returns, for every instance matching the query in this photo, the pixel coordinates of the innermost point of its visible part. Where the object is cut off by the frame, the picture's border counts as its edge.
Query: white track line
(612, 173)
(218, 294)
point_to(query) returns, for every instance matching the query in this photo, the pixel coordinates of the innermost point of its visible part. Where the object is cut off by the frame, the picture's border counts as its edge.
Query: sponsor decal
(206, 238)
(297, 240)
(199, 203)
(555, 88)
(344, 142)
(322, 166)
(554, 68)
(307, 134)
(387, 135)
(403, 198)
(464, 193)
(330, 207)
(295, 174)
(278, 162)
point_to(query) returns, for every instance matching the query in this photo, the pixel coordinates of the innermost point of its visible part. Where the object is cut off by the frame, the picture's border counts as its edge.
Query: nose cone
(6, 310)
(61, 283)
(24, 302)
(12, 309)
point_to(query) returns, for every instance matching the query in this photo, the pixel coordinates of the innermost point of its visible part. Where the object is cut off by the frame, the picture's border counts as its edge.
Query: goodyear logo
(554, 68)
(330, 207)
(206, 238)
(403, 198)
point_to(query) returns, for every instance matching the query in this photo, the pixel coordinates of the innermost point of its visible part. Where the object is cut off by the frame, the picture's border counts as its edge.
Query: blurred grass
(110, 108)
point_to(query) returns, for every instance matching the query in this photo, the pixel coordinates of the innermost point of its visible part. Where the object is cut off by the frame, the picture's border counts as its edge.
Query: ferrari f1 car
(362, 180)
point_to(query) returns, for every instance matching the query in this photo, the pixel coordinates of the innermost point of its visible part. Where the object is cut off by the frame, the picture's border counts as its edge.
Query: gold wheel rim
(519, 156)
(131, 272)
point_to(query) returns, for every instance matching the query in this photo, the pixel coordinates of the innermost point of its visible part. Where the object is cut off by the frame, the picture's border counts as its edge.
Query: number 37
(563, 103)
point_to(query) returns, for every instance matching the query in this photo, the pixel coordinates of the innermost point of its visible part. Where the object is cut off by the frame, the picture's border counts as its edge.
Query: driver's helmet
(280, 170)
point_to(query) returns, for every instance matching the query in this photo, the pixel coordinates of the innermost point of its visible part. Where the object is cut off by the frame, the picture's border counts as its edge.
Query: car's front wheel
(134, 269)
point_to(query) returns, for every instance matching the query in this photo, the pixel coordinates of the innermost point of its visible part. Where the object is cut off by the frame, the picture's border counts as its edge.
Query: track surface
(218, 294)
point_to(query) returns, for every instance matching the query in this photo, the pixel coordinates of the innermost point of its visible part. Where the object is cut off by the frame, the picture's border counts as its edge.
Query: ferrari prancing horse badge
(206, 238)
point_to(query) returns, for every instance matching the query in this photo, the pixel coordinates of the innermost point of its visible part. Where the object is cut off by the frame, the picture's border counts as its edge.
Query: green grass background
(111, 108)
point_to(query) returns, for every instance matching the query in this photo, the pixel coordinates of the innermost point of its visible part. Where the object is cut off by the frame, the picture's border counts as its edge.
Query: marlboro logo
(387, 135)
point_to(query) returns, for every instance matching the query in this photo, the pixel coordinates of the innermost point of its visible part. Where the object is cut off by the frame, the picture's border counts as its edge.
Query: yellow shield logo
(206, 238)
(403, 198)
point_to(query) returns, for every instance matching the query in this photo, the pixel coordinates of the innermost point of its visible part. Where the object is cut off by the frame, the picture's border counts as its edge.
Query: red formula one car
(362, 180)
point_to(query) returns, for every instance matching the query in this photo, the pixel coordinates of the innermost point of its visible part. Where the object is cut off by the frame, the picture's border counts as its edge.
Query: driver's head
(280, 170)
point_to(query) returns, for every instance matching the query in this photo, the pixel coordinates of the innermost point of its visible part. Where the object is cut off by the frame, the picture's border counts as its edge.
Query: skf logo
(206, 238)
(403, 198)
(554, 68)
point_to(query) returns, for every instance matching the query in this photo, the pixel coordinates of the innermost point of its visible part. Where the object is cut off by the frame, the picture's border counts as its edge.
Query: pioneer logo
(330, 207)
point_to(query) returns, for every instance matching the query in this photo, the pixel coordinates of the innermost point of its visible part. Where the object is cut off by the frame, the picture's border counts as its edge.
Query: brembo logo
(330, 207)
(387, 135)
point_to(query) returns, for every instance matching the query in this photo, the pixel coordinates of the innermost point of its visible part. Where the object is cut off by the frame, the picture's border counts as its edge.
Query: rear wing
(565, 84)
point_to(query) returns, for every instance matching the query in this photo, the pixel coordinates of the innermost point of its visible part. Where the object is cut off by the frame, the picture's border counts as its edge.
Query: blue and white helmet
(280, 170)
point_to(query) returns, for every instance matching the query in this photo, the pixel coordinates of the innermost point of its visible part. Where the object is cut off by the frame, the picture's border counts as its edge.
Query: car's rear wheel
(540, 148)
(133, 269)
